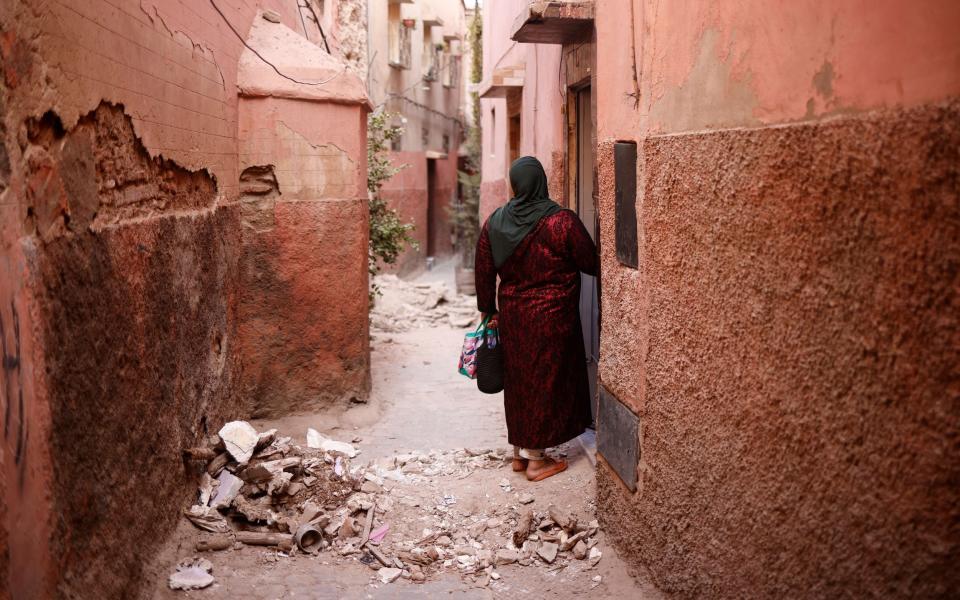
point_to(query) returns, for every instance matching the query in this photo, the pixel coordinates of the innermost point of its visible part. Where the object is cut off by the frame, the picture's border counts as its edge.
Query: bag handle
(483, 324)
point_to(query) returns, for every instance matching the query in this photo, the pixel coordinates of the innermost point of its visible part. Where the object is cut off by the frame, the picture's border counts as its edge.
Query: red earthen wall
(406, 192)
(303, 304)
(445, 188)
(120, 255)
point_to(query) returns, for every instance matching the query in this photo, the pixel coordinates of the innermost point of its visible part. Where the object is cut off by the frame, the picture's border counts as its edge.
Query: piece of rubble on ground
(191, 574)
(314, 500)
(411, 305)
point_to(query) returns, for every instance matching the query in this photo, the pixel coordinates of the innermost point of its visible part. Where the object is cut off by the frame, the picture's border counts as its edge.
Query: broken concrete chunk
(580, 550)
(240, 440)
(228, 489)
(505, 556)
(548, 551)
(192, 574)
(316, 440)
(279, 483)
(369, 487)
(525, 498)
(523, 528)
(348, 529)
(572, 540)
(388, 574)
(595, 556)
(207, 519)
(252, 510)
(561, 518)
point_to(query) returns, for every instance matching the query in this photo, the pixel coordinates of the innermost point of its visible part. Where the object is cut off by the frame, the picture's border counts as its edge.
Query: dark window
(625, 167)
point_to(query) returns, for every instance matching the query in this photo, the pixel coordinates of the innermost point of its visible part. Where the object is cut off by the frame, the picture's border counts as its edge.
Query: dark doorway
(585, 172)
(432, 207)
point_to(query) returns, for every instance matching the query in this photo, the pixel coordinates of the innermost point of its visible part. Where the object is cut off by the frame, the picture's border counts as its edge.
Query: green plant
(465, 214)
(388, 232)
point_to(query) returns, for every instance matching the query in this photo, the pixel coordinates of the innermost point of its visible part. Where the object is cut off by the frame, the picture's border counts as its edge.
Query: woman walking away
(538, 249)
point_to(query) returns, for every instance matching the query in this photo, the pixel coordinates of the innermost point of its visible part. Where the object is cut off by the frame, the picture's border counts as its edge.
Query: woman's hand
(493, 321)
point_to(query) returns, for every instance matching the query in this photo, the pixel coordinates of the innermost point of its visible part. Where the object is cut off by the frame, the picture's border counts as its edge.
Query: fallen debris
(316, 440)
(523, 528)
(215, 543)
(389, 574)
(207, 519)
(192, 574)
(406, 305)
(315, 499)
(595, 556)
(548, 551)
(240, 439)
(228, 488)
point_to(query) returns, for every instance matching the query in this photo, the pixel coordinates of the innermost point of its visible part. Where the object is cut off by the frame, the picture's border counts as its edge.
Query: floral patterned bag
(468, 355)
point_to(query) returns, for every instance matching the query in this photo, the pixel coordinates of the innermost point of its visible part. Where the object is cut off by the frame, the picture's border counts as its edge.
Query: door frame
(573, 173)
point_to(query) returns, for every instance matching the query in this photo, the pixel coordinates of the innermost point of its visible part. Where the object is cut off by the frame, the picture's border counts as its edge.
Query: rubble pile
(405, 305)
(261, 489)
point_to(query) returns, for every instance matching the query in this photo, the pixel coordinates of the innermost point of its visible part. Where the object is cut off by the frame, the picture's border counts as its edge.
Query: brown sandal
(558, 466)
(520, 464)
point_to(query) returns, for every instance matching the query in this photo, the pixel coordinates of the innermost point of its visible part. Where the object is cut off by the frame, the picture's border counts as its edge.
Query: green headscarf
(509, 224)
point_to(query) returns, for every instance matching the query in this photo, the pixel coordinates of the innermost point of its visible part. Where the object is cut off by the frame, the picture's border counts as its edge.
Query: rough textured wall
(351, 34)
(133, 275)
(800, 420)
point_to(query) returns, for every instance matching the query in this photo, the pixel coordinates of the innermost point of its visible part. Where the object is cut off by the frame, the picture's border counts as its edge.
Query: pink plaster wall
(796, 209)
(741, 64)
(542, 119)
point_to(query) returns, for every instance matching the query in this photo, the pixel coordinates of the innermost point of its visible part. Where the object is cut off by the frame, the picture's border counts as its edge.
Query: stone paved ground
(420, 404)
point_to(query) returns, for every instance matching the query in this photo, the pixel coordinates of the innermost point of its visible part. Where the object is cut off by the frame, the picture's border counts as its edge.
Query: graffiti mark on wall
(13, 422)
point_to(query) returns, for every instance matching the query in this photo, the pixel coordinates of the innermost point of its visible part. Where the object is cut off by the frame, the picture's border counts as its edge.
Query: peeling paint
(709, 97)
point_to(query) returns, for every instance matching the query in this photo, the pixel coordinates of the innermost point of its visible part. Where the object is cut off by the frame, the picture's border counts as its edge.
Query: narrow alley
(440, 479)
(537, 299)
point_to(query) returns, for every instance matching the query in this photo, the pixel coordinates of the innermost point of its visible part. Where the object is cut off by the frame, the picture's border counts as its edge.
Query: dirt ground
(421, 406)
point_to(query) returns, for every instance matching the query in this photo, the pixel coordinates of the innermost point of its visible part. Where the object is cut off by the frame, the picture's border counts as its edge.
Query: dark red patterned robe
(546, 392)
